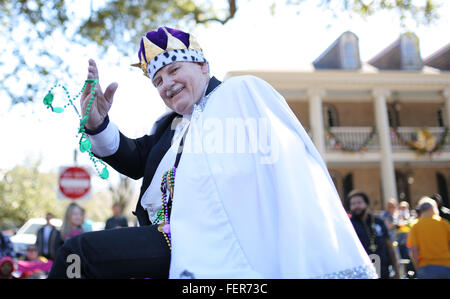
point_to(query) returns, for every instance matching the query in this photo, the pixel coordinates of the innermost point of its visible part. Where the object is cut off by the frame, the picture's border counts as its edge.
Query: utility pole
(75, 157)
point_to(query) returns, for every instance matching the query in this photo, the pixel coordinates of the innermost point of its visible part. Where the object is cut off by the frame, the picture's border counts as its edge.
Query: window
(442, 188)
(330, 116)
(347, 186)
(410, 54)
(393, 115)
(337, 181)
(440, 117)
(350, 57)
(403, 194)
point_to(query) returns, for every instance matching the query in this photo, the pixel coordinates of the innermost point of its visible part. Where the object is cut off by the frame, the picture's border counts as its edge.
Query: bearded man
(373, 233)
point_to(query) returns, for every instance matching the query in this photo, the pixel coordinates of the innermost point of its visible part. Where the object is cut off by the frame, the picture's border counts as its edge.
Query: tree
(34, 29)
(422, 11)
(26, 193)
(123, 192)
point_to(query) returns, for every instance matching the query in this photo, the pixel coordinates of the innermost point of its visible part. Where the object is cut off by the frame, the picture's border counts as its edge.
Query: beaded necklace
(372, 234)
(85, 143)
(167, 191)
(167, 186)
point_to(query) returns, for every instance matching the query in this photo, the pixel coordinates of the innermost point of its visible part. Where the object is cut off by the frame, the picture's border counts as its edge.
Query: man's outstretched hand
(102, 101)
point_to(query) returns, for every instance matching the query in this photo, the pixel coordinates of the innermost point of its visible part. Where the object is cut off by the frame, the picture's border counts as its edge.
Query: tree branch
(232, 8)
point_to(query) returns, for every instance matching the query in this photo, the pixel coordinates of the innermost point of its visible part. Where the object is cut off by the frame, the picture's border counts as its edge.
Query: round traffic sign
(74, 182)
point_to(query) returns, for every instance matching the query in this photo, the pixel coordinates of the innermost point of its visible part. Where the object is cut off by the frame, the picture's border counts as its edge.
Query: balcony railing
(362, 138)
(407, 134)
(351, 139)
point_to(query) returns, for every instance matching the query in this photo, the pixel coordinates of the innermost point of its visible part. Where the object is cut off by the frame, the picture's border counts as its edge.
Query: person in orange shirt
(429, 242)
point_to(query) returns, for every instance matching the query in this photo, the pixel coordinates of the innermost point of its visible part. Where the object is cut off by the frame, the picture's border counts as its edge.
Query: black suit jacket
(137, 158)
(54, 242)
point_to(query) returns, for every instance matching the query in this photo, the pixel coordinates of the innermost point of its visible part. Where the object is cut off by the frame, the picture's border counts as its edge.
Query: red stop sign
(74, 182)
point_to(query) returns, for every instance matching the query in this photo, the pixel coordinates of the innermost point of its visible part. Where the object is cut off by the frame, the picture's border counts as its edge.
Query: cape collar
(213, 83)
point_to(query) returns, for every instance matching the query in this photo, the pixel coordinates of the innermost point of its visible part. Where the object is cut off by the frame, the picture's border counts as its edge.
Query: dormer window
(343, 53)
(349, 57)
(410, 53)
(403, 54)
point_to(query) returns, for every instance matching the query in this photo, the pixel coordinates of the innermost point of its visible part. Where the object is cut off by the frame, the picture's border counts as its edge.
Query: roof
(440, 59)
(343, 53)
(402, 54)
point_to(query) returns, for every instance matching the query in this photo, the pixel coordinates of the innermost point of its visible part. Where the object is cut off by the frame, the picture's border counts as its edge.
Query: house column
(446, 94)
(316, 119)
(384, 136)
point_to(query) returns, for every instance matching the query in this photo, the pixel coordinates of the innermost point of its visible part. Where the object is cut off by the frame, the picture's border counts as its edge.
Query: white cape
(272, 212)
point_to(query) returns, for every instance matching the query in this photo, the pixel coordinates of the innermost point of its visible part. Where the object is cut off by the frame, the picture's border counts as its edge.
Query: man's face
(116, 210)
(357, 206)
(181, 84)
(48, 217)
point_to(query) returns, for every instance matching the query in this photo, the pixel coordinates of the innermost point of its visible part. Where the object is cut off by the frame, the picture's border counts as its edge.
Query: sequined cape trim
(361, 272)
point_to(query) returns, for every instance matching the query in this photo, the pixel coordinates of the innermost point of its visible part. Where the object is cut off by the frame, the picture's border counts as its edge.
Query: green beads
(83, 121)
(104, 174)
(58, 109)
(48, 99)
(85, 144)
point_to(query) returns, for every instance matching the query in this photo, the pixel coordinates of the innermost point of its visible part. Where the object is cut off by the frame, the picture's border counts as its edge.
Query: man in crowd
(117, 220)
(429, 242)
(372, 233)
(6, 247)
(48, 239)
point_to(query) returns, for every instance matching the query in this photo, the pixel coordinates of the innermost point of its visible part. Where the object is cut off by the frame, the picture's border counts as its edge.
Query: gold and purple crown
(165, 45)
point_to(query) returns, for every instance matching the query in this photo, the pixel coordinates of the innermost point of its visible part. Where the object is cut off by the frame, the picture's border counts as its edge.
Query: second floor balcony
(420, 140)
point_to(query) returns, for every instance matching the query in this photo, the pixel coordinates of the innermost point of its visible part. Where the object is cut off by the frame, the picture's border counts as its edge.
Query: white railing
(407, 133)
(354, 137)
(351, 138)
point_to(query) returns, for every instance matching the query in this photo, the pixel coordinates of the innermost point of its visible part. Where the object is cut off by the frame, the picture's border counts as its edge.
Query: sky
(254, 39)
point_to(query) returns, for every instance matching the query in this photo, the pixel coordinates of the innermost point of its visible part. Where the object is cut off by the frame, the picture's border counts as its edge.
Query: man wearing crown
(232, 187)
